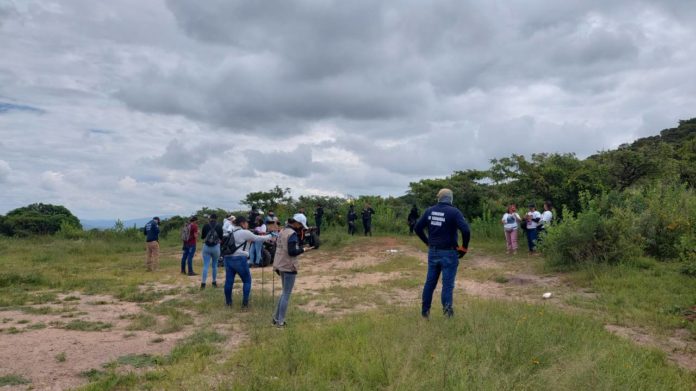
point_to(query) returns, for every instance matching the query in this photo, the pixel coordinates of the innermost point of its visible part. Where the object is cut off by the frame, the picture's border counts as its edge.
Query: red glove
(461, 251)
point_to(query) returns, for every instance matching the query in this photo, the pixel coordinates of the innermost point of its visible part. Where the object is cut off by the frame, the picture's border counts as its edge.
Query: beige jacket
(283, 261)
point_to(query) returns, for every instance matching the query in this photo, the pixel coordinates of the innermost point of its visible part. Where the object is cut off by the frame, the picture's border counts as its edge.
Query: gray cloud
(323, 97)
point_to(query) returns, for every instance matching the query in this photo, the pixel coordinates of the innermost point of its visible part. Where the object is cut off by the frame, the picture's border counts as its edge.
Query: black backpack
(229, 245)
(212, 237)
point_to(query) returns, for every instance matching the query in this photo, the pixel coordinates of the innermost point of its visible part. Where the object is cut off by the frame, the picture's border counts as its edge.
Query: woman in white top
(510, 223)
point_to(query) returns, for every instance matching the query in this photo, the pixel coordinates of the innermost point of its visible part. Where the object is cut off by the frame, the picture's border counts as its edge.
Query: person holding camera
(442, 222)
(235, 257)
(289, 247)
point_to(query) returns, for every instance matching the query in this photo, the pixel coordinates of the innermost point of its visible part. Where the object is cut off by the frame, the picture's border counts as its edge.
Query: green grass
(12, 380)
(85, 325)
(61, 357)
(632, 295)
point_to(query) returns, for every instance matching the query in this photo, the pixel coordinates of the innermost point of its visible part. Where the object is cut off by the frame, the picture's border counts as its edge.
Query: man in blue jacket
(442, 221)
(151, 232)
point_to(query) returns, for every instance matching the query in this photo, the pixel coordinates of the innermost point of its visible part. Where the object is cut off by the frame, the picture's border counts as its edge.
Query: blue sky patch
(7, 107)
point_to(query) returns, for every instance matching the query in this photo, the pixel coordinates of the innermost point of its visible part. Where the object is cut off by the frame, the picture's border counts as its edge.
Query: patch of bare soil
(34, 352)
(679, 347)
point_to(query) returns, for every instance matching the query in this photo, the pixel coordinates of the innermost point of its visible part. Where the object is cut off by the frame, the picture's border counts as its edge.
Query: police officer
(442, 222)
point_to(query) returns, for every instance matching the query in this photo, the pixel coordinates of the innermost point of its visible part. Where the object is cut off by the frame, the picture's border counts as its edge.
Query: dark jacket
(352, 216)
(442, 221)
(367, 214)
(413, 216)
(151, 231)
(207, 228)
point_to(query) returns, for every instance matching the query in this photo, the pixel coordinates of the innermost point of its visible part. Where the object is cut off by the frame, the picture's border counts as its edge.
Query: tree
(41, 219)
(268, 200)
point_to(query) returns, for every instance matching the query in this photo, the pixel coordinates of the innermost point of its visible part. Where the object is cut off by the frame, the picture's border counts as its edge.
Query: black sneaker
(245, 307)
(448, 312)
(192, 274)
(214, 284)
(183, 272)
(202, 285)
(426, 315)
(274, 322)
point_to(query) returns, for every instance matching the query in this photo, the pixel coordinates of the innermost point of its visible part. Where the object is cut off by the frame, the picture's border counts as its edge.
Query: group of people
(236, 244)
(533, 225)
(442, 222)
(366, 216)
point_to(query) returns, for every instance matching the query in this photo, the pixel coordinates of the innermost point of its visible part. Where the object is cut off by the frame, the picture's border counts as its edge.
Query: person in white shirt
(547, 216)
(227, 224)
(533, 217)
(235, 258)
(510, 223)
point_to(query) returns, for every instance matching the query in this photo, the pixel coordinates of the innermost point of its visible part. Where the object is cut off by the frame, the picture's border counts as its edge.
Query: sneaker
(245, 307)
(183, 272)
(192, 274)
(214, 284)
(448, 312)
(281, 325)
(274, 321)
(425, 315)
(202, 285)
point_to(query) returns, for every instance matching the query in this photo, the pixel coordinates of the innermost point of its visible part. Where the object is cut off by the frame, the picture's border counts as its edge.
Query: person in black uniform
(352, 216)
(367, 213)
(318, 216)
(412, 218)
(442, 222)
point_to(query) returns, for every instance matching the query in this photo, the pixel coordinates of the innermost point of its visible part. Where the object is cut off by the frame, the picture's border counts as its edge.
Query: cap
(300, 218)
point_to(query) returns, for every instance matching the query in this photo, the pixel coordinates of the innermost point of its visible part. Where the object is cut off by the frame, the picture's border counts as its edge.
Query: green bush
(591, 237)
(41, 219)
(664, 215)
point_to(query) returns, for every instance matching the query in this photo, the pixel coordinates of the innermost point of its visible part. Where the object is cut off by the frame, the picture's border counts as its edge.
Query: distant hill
(106, 224)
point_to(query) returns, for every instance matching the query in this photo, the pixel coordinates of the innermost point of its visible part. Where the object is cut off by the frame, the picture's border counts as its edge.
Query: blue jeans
(233, 266)
(445, 262)
(288, 281)
(255, 253)
(210, 257)
(531, 238)
(187, 258)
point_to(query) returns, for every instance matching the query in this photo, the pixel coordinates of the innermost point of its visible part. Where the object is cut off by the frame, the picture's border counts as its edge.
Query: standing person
(510, 221)
(189, 248)
(257, 245)
(412, 218)
(533, 217)
(227, 223)
(253, 214)
(442, 221)
(289, 247)
(270, 218)
(212, 236)
(367, 213)
(318, 216)
(352, 216)
(235, 258)
(546, 217)
(151, 231)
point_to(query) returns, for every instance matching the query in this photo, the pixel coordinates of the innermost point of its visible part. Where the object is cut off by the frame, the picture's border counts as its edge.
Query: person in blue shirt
(151, 232)
(442, 222)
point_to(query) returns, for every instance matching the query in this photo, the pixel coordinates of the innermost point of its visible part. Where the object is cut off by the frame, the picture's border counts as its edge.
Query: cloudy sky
(132, 108)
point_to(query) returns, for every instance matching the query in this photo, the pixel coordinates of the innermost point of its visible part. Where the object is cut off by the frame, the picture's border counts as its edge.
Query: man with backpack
(151, 231)
(442, 221)
(189, 234)
(212, 236)
(235, 254)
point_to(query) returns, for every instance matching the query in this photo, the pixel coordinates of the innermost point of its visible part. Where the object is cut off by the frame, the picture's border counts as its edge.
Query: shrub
(665, 214)
(591, 237)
